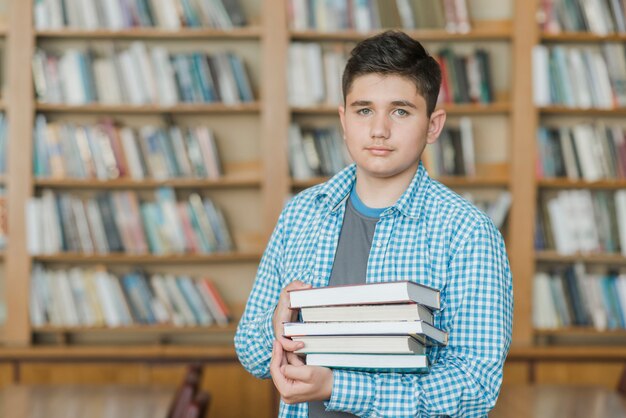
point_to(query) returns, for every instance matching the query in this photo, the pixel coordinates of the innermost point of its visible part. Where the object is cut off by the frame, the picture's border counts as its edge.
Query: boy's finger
(294, 359)
(290, 345)
(299, 373)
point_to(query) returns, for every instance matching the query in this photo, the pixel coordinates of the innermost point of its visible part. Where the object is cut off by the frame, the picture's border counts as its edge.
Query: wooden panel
(237, 394)
(6, 374)
(88, 373)
(587, 373)
(516, 373)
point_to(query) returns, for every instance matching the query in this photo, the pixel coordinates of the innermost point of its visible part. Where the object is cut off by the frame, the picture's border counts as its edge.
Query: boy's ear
(435, 125)
(342, 116)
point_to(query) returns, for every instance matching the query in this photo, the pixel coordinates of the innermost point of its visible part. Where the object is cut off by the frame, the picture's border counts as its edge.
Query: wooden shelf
(152, 33)
(581, 184)
(580, 332)
(554, 257)
(582, 37)
(500, 30)
(140, 329)
(226, 181)
(450, 181)
(452, 109)
(186, 108)
(563, 110)
(238, 256)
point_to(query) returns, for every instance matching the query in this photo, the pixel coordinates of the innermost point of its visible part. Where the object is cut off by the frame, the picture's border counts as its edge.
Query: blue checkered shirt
(431, 236)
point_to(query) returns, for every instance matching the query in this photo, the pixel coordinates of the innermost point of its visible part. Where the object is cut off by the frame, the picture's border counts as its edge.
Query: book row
(95, 297)
(314, 75)
(368, 15)
(574, 297)
(124, 14)
(453, 154)
(580, 77)
(601, 17)
(584, 151)
(316, 151)
(106, 151)
(582, 221)
(139, 75)
(121, 222)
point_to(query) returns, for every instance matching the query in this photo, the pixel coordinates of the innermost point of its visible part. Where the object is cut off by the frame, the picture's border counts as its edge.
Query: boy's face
(386, 127)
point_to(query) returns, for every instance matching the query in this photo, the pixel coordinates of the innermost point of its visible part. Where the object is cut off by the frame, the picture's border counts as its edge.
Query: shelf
(239, 256)
(451, 109)
(554, 257)
(226, 181)
(581, 184)
(580, 332)
(140, 329)
(152, 33)
(563, 110)
(500, 30)
(187, 108)
(582, 37)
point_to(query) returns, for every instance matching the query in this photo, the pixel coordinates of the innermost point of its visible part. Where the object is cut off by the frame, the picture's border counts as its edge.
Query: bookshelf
(255, 139)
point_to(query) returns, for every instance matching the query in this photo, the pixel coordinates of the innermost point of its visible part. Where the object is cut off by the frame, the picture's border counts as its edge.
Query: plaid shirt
(431, 236)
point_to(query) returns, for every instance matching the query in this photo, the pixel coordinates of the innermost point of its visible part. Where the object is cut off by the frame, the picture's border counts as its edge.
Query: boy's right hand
(282, 313)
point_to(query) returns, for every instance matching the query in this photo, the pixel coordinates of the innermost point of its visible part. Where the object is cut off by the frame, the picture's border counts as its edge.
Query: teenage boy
(384, 219)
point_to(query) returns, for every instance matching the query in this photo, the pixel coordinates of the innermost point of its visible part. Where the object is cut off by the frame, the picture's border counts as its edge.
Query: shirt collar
(336, 190)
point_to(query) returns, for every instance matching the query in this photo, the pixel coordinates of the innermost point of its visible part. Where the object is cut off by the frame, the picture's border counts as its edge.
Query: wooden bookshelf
(582, 37)
(568, 111)
(581, 184)
(615, 259)
(587, 332)
(252, 32)
(186, 108)
(140, 329)
(451, 109)
(224, 182)
(500, 30)
(210, 258)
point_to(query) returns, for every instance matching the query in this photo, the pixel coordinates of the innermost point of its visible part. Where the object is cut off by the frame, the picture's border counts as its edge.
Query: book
(357, 313)
(370, 362)
(420, 330)
(360, 344)
(370, 293)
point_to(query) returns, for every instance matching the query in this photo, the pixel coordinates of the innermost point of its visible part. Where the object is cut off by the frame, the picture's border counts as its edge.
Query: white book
(89, 14)
(131, 78)
(38, 300)
(180, 151)
(160, 290)
(564, 242)
(500, 208)
(620, 210)
(55, 304)
(34, 226)
(582, 90)
(131, 151)
(467, 145)
(79, 293)
(50, 223)
(371, 362)
(544, 311)
(593, 294)
(119, 300)
(113, 14)
(315, 72)
(541, 75)
(406, 14)
(96, 226)
(107, 83)
(370, 293)
(80, 217)
(300, 15)
(106, 297)
(588, 237)
(72, 84)
(422, 331)
(227, 83)
(167, 14)
(69, 309)
(358, 313)
(297, 76)
(164, 75)
(300, 169)
(601, 74)
(143, 65)
(583, 135)
(178, 300)
(592, 10)
(620, 285)
(360, 344)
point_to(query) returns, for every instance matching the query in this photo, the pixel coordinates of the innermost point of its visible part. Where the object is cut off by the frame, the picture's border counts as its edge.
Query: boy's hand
(282, 313)
(296, 381)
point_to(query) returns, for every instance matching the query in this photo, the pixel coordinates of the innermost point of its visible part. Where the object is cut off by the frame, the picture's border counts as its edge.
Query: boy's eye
(401, 112)
(364, 111)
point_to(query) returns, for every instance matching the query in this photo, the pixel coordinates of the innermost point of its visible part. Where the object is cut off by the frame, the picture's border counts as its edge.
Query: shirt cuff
(353, 392)
(267, 328)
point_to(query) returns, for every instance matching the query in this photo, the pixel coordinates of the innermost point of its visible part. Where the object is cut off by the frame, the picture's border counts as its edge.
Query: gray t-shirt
(350, 265)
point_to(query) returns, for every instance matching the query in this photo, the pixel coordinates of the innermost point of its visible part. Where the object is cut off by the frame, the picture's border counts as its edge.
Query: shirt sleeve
(465, 376)
(255, 333)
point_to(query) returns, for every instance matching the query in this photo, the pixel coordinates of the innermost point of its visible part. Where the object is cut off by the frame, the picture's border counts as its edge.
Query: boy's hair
(395, 53)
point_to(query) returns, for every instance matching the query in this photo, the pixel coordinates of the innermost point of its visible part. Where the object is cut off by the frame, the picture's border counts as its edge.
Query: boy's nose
(380, 127)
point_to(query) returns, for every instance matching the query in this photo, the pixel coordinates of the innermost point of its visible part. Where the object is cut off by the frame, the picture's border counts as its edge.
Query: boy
(383, 219)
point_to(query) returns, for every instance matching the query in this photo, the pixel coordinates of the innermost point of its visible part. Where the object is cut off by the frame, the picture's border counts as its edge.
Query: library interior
(166, 137)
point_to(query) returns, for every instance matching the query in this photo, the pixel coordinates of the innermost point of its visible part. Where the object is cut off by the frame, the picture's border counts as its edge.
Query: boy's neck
(377, 192)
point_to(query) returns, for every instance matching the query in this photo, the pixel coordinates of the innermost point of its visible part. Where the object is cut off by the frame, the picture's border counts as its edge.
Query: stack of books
(374, 326)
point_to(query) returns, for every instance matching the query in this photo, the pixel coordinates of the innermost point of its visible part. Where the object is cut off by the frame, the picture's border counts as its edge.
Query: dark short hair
(395, 53)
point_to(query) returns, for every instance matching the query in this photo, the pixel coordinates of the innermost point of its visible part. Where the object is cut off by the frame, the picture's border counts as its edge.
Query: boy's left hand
(296, 381)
